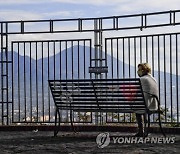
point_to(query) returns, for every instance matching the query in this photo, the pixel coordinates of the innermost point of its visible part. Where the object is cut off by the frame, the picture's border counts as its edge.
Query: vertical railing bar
(112, 67)
(12, 85)
(66, 59)
(22, 27)
(49, 101)
(147, 49)
(142, 22)
(159, 82)
(72, 51)
(78, 66)
(106, 65)
(72, 59)
(54, 60)
(145, 20)
(7, 84)
(25, 80)
(81, 25)
(84, 43)
(177, 80)
(106, 56)
(100, 50)
(60, 67)
(114, 23)
(117, 58)
(129, 50)
(52, 26)
(174, 18)
(2, 93)
(54, 64)
(112, 57)
(170, 19)
(37, 106)
(95, 43)
(124, 65)
(117, 23)
(165, 77)
(42, 48)
(78, 24)
(66, 47)
(72, 74)
(90, 63)
(123, 60)
(153, 54)
(30, 84)
(60, 59)
(135, 56)
(78, 62)
(19, 95)
(140, 49)
(153, 64)
(171, 77)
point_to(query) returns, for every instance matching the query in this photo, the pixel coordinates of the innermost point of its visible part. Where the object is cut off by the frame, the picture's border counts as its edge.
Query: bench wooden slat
(113, 110)
(100, 91)
(97, 92)
(100, 99)
(90, 80)
(96, 83)
(96, 87)
(105, 103)
(127, 95)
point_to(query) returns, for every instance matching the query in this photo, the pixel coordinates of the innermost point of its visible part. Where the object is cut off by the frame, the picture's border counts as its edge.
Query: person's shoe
(146, 134)
(139, 134)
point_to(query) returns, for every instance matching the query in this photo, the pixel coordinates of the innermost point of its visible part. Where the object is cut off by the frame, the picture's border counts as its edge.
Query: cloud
(107, 7)
(122, 6)
(18, 15)
(10, 2)
(142, 6)
(7, 15)
(63, 14)
(91, 2)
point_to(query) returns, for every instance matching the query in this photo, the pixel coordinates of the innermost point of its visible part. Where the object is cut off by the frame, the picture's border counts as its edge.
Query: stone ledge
(175, 130)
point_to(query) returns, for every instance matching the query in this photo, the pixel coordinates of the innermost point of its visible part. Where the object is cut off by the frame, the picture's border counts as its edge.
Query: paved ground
(37, 142)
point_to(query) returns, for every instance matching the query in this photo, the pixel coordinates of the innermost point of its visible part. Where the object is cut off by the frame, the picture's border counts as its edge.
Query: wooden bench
(100, 95)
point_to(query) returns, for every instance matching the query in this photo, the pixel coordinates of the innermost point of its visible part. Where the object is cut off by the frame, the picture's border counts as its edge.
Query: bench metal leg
(71, 119)
(56, 129)
(159, 118)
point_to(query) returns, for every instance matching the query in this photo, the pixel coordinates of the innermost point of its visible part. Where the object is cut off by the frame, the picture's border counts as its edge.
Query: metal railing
(87, 24)
(27, 65)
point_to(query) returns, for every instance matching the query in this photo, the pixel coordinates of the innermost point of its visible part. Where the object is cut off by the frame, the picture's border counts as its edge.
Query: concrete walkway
(37, 142)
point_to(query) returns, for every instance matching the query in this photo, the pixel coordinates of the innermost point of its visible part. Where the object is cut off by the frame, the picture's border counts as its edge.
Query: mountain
(51, 68)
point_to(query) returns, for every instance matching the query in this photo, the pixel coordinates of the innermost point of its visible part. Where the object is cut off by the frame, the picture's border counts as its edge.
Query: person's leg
(140, 125)
(145, 116)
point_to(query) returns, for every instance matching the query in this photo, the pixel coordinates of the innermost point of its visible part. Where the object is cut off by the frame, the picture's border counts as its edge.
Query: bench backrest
(103, 95)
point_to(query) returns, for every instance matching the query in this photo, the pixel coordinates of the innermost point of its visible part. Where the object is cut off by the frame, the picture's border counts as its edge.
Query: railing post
(4, 75)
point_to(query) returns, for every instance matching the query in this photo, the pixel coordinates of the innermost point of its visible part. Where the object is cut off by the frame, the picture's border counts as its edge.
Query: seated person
(149, 86)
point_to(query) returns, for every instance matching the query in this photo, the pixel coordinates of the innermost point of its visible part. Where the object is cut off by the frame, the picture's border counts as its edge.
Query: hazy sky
(55, 9)
(60, 9)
